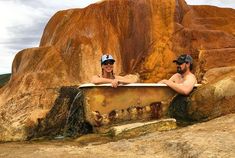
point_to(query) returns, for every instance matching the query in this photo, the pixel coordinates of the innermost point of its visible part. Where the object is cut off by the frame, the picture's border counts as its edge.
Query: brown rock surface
(213, 99)
(215, 58)
(31, 91)
(144, 36)
(215, 138)
(215, 73)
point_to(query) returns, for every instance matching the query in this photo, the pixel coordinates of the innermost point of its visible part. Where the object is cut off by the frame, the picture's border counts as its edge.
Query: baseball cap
(185, 58)
(106, 57)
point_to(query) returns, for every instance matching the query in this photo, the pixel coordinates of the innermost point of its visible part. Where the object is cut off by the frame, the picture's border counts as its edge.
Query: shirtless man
(108, 75)
(183, 81)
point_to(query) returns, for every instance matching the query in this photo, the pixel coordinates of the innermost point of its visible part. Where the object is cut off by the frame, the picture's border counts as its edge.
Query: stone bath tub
(104, 105)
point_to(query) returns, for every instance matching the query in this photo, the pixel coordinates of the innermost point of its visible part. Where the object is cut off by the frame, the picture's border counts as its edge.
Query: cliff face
(144, 36)
(208, 33)
(136, 33)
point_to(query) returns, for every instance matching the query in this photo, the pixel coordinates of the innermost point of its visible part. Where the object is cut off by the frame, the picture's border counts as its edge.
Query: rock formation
(144, 36)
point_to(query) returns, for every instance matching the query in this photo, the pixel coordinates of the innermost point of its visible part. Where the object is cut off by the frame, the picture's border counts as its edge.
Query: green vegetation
(4, 78)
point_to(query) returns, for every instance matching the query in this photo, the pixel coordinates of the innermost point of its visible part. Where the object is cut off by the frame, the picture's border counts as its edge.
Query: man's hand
(163, 81)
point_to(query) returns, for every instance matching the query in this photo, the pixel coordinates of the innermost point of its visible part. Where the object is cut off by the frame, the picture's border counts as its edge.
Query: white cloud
(220, 3)
(65, 4)
(22, 24)
(6, 62)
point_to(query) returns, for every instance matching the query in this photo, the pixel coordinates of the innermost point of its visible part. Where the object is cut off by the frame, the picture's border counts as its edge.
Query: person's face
(182, 68)
(107, 66)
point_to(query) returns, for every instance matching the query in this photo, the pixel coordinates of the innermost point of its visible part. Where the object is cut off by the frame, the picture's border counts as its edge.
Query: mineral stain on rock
(66, 117)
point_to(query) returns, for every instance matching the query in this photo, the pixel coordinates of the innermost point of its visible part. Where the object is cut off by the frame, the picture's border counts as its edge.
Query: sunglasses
(108, 62)
(181, 63)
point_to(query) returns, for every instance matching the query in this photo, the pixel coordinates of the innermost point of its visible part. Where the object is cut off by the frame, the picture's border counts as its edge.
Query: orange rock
(217, 73)
(213, 100)
(143, 36)
(215, 58)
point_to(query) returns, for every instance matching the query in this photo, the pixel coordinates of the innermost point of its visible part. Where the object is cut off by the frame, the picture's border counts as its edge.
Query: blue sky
(23, 22)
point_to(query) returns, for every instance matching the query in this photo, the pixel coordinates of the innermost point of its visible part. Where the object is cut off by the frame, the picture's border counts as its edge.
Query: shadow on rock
(65, 119)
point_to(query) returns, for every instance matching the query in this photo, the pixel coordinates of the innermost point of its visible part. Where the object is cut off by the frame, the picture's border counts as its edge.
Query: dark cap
(185, 58)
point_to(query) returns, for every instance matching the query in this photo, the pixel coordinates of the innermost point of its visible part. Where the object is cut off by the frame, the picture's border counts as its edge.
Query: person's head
(107, 62)
(184, 63)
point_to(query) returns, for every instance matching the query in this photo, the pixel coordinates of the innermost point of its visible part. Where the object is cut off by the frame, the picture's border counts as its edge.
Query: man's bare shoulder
(176, 75)
(177, 78)
(191, 77)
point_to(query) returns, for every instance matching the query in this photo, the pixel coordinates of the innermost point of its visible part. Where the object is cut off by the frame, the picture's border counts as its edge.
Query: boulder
(215, 73)
(215, 58)
(214, 99)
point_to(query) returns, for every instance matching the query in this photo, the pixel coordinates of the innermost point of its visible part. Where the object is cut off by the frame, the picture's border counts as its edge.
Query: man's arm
(183, 88)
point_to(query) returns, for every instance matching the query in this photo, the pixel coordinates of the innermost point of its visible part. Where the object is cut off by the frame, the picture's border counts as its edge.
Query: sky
(23, 22)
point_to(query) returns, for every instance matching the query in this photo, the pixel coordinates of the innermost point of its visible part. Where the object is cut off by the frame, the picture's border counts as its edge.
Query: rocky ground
(215, 138)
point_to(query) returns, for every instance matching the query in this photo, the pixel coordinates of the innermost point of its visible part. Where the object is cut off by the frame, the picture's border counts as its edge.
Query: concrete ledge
(140, 128)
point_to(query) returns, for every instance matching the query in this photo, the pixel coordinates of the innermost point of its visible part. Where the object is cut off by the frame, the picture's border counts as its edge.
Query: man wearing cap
(108, 75)
(183, 81)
